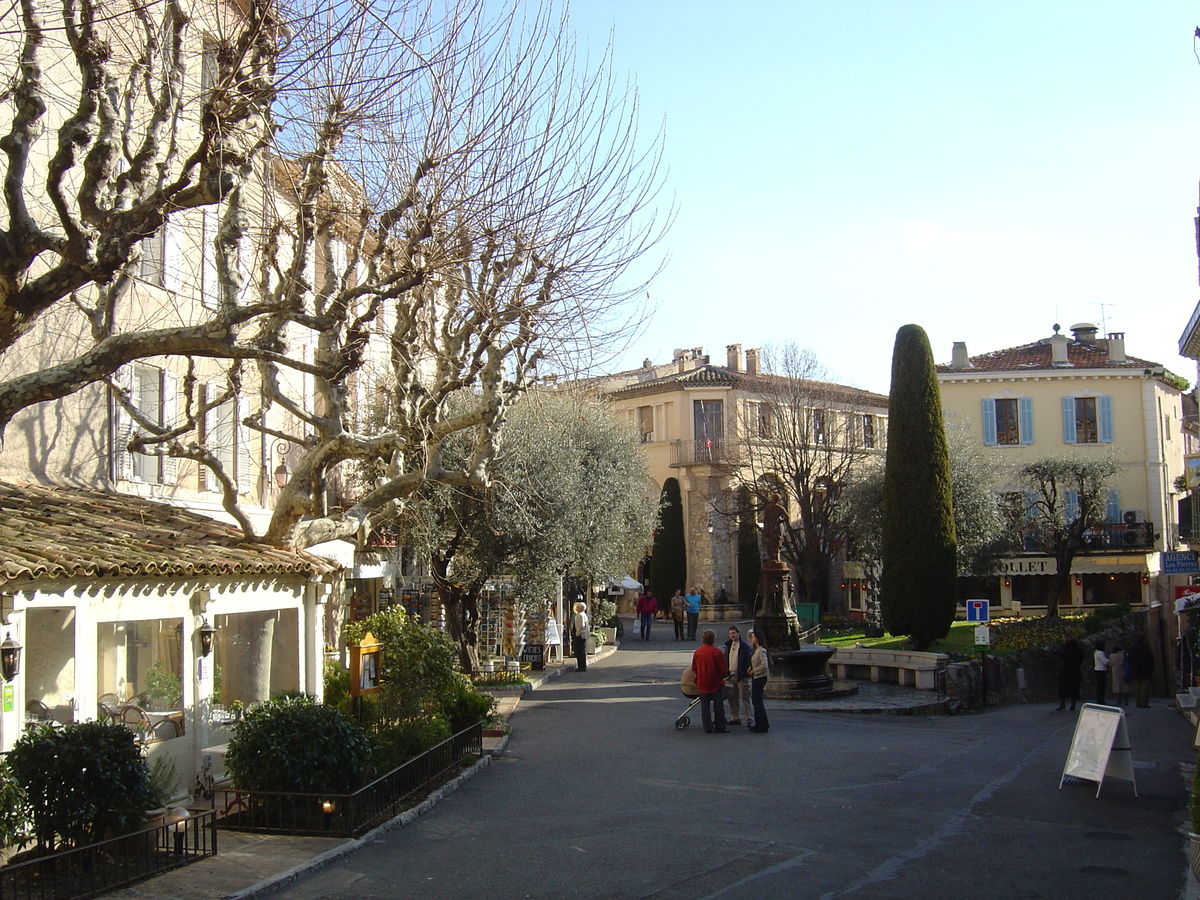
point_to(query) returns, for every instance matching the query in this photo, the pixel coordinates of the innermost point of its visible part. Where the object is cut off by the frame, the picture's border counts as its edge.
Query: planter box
(591, 644)
(610, 634)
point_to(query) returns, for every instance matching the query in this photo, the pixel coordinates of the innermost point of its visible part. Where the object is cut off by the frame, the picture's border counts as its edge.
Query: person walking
(581, 627)
(711, 671)
(759, 670)
(677, 613)
(1070, 673)
(737, 662)
(1100, 664)
(647, 606)
(692, 608)
(1141, 669)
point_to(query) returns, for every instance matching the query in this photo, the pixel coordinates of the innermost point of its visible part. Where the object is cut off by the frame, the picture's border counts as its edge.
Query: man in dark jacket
(737, 657)
(1141, 669)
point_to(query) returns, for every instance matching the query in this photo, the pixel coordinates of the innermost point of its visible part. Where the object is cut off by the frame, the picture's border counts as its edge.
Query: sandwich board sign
(1100, 747)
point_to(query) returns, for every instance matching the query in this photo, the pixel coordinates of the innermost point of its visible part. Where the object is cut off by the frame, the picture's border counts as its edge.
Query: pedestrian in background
(708, 663)
(677, 613)
(759, 670)
(1117, 661)
(737, 662)
(1141, 669)
(1070, 674)
(1100, 663)
(692, 608)
(647, 606)
(581, 628)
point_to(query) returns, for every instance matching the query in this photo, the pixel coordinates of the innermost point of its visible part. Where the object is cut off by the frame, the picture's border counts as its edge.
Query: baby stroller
(687, 684)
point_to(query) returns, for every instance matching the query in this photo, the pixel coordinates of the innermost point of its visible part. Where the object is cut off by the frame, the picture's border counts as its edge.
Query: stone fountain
(798, 669)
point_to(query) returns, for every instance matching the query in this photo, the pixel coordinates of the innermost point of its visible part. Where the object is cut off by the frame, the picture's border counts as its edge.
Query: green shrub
(468, 706)
(162, 784)
(14, 809)
(420, 662)
(295, 744)
(1098, 618)
(80, 780)
(401, 740)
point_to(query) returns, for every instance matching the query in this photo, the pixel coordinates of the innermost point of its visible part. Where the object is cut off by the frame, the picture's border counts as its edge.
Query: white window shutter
(244, 437)
(170, 418)
(122, 428)
(172, 256)
(210, 289)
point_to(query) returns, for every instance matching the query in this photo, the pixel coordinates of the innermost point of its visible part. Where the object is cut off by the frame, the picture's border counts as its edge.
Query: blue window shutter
(1112, 510)
(1072, 510)
(1104, 412)
(989, 422)
(1068, 420)
(1025, 406)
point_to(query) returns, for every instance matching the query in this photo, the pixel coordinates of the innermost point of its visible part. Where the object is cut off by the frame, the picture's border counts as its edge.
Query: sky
(982, 169)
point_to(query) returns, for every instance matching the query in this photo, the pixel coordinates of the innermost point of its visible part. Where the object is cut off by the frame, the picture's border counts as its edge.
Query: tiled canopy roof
(54, 532)
(1080, 355)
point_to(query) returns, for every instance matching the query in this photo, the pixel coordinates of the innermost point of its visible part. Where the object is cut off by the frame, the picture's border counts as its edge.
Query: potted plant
(607, 622)
(162, 780)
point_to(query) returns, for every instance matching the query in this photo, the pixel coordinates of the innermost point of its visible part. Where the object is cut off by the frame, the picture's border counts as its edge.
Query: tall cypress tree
(668, 562)
(919, 549)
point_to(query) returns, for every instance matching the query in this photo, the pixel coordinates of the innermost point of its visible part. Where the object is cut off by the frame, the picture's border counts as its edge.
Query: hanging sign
(364, 666)
(1100, 747)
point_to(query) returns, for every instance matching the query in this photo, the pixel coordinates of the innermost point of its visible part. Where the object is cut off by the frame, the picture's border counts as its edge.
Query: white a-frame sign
(1100, 747)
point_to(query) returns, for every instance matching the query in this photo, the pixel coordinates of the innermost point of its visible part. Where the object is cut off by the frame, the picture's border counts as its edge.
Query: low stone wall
(905, 667)
(1040, 665)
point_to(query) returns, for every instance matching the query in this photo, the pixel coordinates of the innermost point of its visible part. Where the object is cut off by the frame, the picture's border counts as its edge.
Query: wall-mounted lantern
(10, 657)
(282, 472)
(206, 638)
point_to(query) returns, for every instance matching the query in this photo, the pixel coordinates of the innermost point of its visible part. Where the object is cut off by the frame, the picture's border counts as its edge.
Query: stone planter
(610, 635)
(591, 645)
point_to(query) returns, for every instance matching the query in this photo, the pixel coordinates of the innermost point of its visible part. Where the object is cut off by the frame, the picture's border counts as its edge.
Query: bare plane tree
(381, 206)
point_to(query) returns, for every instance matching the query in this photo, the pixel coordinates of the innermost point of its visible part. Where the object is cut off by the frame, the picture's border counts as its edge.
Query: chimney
(1085, 332)
(647, 363)
(1116, 347)
(680, 358)
(959, 359)
(1058, 349)
(752, 362)
(733, 357)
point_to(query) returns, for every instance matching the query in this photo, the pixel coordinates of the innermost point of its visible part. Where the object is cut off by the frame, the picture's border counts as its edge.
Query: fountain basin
(802, 675)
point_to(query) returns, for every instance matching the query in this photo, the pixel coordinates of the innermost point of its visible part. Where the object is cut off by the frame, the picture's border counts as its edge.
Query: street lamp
(282, 472)
(10, 657)
(206, 638)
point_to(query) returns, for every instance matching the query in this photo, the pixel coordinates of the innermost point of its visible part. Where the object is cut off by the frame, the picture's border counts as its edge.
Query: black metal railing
(344, 815)
(1097, 539)
(703, 452)
(99, 868)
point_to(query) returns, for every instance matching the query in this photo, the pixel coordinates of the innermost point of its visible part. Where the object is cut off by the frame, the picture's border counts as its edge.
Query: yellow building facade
(1078, 396)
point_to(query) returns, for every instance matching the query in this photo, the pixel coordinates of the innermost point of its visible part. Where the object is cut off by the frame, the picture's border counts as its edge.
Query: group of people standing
(684, 611)
(744, 667)
(1119, 668)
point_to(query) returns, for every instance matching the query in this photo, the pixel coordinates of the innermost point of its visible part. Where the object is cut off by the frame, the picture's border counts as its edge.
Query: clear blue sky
(983, 169)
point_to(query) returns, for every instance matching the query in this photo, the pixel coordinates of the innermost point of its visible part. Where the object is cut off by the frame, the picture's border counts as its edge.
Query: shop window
(255, 656)
(139, 679)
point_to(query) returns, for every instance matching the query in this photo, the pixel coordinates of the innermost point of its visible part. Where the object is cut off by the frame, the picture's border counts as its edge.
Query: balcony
(703, 453)
(1114, 538)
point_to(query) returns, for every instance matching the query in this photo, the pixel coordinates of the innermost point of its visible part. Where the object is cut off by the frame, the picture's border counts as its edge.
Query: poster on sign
(1187, 596)
(1100, 747)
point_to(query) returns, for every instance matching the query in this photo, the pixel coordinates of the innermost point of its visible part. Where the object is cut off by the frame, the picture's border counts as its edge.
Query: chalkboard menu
(535, 655)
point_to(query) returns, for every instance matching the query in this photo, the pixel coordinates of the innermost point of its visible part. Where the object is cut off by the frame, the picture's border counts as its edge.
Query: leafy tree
(295, 744)
(668, 559)
(418, 662)
(568, 496)
(80, 780)
(919, 596)
(1068, 496)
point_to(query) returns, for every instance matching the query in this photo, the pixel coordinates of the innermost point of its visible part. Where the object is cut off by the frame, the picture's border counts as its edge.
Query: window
(153, 394)
(708, 420)
(766, 420)
(139, 667)
(161, 258)
(868, 431)
(1008, 421)
(228, 440)
(1087, 420)
(646, 423)
(818, 426)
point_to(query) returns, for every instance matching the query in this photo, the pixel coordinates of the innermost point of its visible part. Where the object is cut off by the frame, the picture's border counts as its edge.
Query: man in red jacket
(711, 669)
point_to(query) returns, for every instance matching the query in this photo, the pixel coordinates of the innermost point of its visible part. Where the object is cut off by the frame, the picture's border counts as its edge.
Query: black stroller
(687, 684)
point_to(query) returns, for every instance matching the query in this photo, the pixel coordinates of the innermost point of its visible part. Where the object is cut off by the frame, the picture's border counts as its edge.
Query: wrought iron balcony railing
(703, 452)
(1098, 539)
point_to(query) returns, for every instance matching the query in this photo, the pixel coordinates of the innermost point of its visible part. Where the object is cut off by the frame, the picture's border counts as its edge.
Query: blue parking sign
(977, 610)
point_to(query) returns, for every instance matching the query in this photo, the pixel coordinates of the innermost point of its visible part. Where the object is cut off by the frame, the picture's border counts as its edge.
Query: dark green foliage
(12, 807)
(468, 706)
(81, 780)
(419, 662)
(919, 548)
(296, 744)
(668, 562)
(402, 739)
(749, 559)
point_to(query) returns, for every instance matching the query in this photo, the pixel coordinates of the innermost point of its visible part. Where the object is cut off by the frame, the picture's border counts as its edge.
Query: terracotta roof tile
(1037, 356)
(56, 532)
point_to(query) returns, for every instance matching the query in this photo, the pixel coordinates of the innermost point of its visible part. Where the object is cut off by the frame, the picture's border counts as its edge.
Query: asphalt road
(599, 796)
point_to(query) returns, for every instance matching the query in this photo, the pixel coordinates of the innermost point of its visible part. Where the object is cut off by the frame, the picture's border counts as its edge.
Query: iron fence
(99, 868)
(344, 815)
